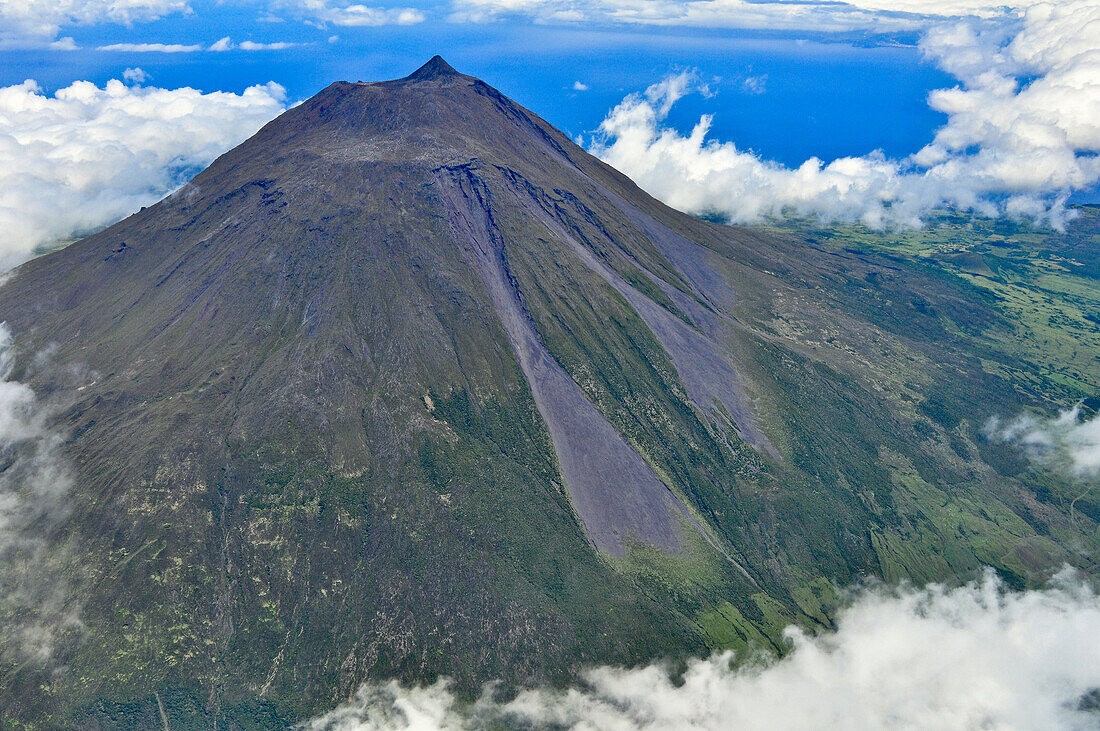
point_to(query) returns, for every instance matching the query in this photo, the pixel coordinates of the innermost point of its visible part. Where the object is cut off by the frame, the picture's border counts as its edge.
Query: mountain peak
(465, 386)
(435, 68)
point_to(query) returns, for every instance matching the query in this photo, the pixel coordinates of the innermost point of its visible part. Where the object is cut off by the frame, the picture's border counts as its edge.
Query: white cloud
(135, 76)
(150, 48)
(34, 488)
(219, 46)
(944, 8)
(1066, 441)
(277, 46)
(222, 44)
(755, 85)
(323, 12)
(478, 11)
(38, 23)
(63, 44)
(580, 86)
(964, 658)
(1008, 147)
(696, 175)
(27, 20)
(1029, 134)
(803, 15)
(87, 156)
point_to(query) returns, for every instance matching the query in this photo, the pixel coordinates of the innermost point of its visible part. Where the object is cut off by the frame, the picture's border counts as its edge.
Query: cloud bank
(31, 21)
(976, 656)
(38, 23)
(87, 156)
(1023, 133)
(819, 16)
(1067, 442)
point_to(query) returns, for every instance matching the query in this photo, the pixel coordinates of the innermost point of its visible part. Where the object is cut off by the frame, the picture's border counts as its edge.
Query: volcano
(408, 385)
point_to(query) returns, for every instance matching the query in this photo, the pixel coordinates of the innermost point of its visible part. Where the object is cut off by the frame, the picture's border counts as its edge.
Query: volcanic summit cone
(410, 385)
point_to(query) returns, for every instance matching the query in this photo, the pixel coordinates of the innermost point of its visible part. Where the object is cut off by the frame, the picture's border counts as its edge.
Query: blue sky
(870, 110)
(786, 95)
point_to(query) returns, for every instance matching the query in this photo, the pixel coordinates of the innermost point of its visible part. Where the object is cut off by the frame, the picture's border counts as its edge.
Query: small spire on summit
(434, 69)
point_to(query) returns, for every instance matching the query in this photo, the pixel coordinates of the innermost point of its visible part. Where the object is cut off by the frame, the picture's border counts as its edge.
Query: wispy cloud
(219, 46)
(325, 12)
(227, 44)
(820, 16)
(970, 657)
(1068, 441)
(34, 487)
(87, 156)
(150, 48)
(39, 23)
(755, 85)
(276, 46)
(1021, 136)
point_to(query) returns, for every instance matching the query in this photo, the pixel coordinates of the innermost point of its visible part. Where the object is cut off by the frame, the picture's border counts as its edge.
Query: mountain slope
(408, 384)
